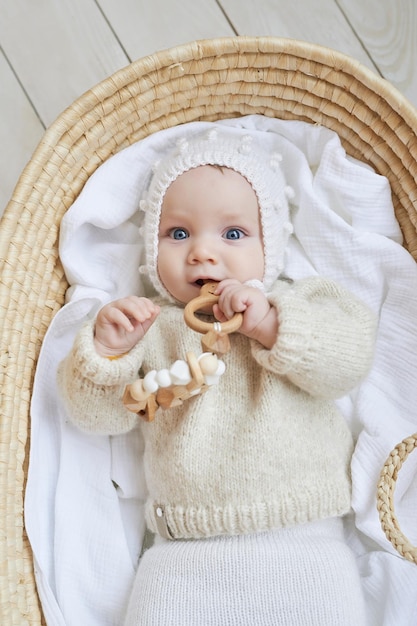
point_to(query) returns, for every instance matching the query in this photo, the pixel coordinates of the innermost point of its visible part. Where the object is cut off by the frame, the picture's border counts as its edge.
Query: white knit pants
(303, 576)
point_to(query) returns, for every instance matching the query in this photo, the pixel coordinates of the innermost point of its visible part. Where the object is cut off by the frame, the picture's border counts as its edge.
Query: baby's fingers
(114, 316)
(121, 324)
(218, 314)
(141, 310)
(232, 300)
(128, 312)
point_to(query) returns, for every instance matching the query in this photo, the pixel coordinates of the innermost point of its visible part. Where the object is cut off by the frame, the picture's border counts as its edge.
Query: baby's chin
(186, 294)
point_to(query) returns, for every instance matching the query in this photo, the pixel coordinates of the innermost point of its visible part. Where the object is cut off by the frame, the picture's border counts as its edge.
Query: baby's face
(209, 230)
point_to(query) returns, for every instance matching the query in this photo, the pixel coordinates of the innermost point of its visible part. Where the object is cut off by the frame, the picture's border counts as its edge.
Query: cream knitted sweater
(266, 447)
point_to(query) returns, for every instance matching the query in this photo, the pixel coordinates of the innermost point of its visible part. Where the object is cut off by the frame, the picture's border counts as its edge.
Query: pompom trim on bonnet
(241, 152)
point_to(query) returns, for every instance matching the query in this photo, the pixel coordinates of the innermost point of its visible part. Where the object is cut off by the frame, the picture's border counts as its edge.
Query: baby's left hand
(260, 319)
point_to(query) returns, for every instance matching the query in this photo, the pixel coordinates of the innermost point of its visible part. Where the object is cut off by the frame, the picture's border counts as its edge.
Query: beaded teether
(170, 387)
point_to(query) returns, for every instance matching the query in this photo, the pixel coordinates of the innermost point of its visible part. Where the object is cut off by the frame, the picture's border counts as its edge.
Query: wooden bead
(137, 390)
(131, 404)
(196, 373)
(151, 408)
(208, 363)
(215, 342)
(170, 396)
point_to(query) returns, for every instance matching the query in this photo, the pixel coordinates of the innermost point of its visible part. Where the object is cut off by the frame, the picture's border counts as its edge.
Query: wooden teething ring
(206, 297)
(215, 338)
(385, 498)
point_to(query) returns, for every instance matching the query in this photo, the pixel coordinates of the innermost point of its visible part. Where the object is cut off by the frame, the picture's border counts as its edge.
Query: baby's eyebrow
(175, 213)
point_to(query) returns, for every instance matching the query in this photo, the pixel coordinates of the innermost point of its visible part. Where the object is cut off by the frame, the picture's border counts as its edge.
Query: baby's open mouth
(203, 281)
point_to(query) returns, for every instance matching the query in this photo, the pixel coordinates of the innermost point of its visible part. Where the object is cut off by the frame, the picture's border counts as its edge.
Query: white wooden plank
(20, 131)
(144, 27)
(388, 30)
(316, 21)
(58, 48)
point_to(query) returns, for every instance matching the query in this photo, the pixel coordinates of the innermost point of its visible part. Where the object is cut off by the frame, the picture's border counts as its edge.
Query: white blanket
(85, 536)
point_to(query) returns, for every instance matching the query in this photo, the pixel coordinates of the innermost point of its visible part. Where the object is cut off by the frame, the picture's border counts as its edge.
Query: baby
(248, 483)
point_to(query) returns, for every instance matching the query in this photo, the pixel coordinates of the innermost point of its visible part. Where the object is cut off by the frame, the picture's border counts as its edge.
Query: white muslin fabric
(84, 498)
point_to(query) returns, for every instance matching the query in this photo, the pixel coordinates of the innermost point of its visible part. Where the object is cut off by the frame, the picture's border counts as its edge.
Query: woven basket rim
(385, 498)
(206, 79)
(334, 59)
(186, 52)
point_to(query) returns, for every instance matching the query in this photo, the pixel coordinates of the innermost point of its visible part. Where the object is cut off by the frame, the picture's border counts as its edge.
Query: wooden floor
(52, 51)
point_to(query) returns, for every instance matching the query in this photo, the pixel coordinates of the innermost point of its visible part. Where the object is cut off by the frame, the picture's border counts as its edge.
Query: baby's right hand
(122, 323)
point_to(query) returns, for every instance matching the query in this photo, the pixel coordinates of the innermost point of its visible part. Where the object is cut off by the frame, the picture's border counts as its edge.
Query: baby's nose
(203, 250)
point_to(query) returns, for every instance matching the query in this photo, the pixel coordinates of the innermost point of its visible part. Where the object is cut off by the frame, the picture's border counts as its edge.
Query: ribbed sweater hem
(195, 522)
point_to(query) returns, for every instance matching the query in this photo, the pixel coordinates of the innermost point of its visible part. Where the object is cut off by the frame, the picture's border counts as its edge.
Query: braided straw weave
(204, 80)
(385, 499)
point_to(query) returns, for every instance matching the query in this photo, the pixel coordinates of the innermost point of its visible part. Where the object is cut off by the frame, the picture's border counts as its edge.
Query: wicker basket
(385, 498)
(204, 80)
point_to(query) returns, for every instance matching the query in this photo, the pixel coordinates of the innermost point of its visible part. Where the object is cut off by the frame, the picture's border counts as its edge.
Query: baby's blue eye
(234, 233)
(179, 233)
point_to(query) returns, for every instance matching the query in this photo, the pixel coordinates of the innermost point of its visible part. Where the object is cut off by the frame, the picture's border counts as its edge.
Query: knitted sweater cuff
(101, 370)
(92, 386)
(325, 339)
(294, 338)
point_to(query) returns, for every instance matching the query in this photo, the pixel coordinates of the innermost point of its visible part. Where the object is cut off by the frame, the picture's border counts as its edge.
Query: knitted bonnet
(242, 153)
